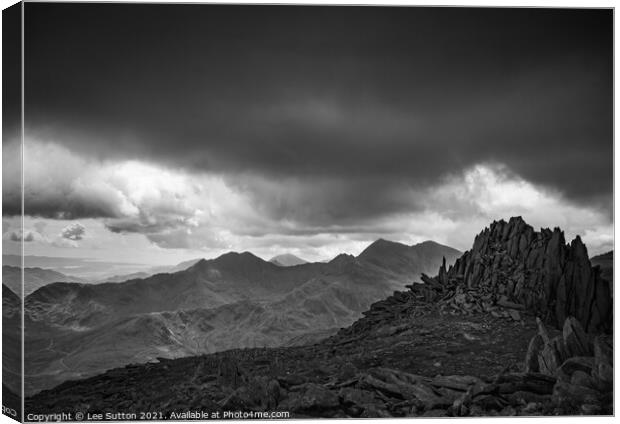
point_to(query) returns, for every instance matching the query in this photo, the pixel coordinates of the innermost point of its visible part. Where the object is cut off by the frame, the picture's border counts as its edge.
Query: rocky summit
(514, 265)
(505, 331)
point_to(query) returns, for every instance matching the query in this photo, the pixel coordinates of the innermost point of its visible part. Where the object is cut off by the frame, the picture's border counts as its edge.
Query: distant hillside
(124, 277)
(398, 258)
(606, 262)
(287, 259)
(235, 300)
(148, 272)
(34, 278)
(88, 269)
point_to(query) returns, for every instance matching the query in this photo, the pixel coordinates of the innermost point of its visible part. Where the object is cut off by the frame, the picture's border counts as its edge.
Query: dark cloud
(360, 105)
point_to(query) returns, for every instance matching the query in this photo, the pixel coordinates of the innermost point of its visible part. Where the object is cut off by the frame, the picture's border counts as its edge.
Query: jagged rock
(548, 360)
(533, 350)
(560, 348)
(514, 315)
(528, 271)
(542, 331)
(575, 339)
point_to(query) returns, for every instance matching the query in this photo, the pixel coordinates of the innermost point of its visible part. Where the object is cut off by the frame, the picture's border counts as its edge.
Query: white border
(480, 3)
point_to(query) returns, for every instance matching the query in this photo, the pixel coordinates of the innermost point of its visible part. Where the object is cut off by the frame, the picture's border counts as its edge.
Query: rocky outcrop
(510, 263)
(581, 364)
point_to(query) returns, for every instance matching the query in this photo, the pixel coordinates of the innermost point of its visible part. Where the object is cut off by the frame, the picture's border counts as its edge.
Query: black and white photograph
(288, 211)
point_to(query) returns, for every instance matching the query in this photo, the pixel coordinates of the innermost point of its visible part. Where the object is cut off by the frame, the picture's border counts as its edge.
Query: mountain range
(34, 278)
(237, 300)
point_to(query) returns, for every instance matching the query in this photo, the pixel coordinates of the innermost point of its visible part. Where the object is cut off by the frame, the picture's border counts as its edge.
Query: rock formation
(512, 265)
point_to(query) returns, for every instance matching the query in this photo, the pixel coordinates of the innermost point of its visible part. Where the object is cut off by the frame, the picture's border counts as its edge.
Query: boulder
(291, 380)
(577, 363)
(580, 378)
(549, 360)
(533, 350)
(514, 315)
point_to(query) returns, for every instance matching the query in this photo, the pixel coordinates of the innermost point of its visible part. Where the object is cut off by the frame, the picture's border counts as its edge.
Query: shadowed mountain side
(207, 284)
(316, 309)
(399, 258)
(34, 278)
(11, 340)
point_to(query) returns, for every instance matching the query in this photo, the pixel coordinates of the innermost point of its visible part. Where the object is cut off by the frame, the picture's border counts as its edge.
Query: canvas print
(286, 211)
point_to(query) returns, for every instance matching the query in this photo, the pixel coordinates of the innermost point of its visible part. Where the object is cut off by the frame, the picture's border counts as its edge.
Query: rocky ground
(432, 364)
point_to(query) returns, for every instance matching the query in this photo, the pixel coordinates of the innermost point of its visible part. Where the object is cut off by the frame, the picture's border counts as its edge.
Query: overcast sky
(164, 132)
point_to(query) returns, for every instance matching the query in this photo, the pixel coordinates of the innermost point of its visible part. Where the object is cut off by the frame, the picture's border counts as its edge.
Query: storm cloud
(231, 126)
(390, 95)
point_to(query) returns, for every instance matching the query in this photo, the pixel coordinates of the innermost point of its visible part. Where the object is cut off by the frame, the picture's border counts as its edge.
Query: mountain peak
(287, 259)
(382, 246)
(342, 258)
